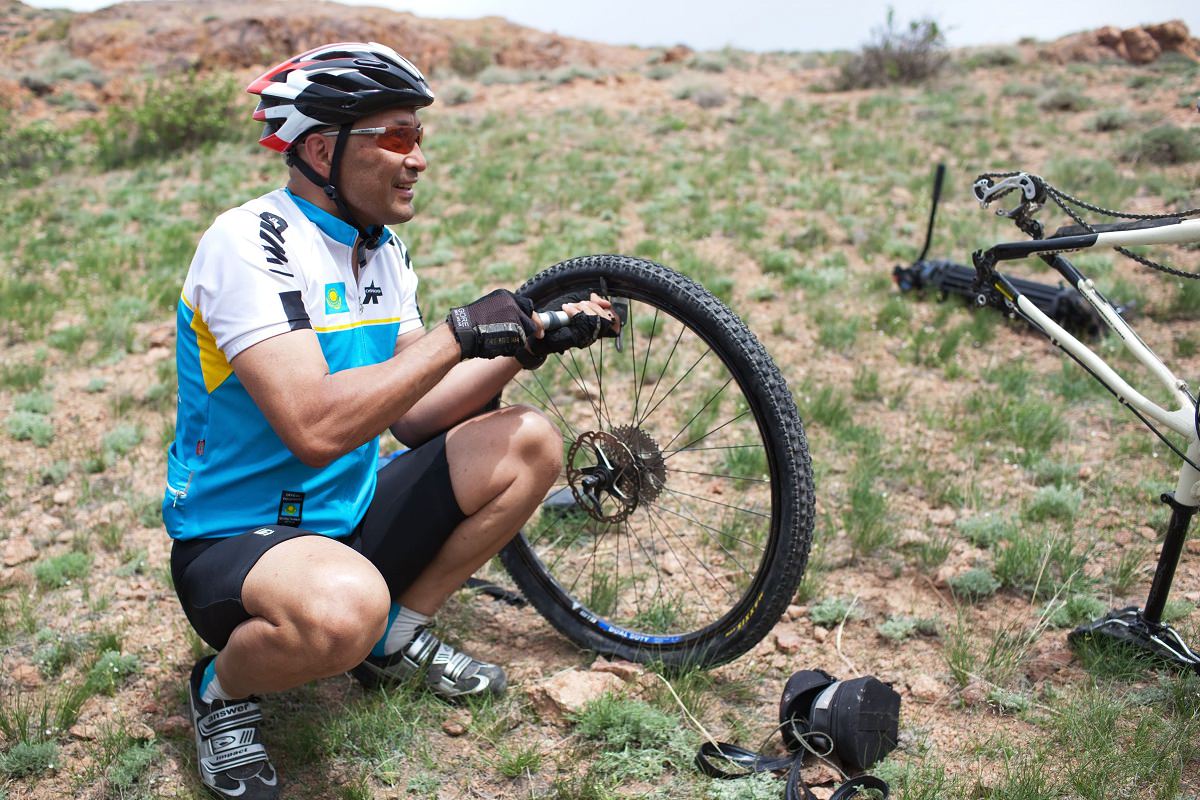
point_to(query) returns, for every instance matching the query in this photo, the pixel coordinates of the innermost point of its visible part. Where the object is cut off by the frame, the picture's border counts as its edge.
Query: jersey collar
(337, 229)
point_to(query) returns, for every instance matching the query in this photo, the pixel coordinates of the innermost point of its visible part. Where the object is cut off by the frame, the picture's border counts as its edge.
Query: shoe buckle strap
(231, 759)
(227, 740)
(235, 716)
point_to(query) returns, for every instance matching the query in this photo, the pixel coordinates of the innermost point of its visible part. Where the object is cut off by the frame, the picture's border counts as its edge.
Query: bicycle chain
(1059, 196)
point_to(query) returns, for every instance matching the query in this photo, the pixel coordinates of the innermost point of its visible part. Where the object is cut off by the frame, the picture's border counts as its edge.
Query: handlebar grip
(552, 320)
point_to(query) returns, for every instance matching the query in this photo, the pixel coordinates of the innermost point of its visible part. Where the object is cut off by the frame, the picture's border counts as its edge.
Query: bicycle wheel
(683, 520)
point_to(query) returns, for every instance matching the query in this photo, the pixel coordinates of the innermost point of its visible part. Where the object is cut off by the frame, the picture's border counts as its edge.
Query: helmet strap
(329, 186)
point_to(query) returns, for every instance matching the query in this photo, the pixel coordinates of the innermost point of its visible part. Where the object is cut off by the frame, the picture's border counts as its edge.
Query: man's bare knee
(538, 442)
(342, 618)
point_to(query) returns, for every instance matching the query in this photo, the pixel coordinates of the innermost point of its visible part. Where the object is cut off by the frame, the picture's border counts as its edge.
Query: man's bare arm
(464, 390)
(322, 416)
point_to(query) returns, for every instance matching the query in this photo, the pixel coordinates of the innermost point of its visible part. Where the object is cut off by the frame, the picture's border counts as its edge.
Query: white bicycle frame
(1182, 419)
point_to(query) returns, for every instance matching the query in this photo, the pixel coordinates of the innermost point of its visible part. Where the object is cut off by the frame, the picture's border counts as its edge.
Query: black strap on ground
(498, 592)
(796, 788)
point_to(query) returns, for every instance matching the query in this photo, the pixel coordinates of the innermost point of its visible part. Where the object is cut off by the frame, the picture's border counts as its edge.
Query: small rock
(820, 773)
(453, 727)
(569, 691)
(26, 675)
(583, 391)
(161, 336)
(1046, 664)
(925, 688)
(140, 731)
(788, 642)
(84, 730)
(797, 612)
(18, 551)
(62, 497)
(1085, 473)
(625, 670)
(973, 694)
(1147, 533)
(175, 725)
(911, 537)
(943, 516)
(819, 633)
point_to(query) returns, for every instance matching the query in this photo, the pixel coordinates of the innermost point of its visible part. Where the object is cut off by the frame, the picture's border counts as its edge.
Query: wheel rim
(668, 504)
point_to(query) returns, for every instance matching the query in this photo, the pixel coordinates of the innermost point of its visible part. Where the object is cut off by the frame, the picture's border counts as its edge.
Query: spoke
(639, 381)
(682, 378)
(554, 544)
(717, 503)
(553, 406)
(637, 387)
(712, 530)
(686, 447)
(700, 595)
(637, 601)
(707, 403)
(583, 568)
(661, 373)
(723, 477)
(715, 447)
(577, 376)
(599, 373)
(702, 562)
(649, 558)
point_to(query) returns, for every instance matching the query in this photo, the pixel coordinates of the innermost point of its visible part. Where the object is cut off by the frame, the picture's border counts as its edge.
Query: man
(299, 342)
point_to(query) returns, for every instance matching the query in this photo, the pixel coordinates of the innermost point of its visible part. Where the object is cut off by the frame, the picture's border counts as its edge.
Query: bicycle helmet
(335, 84)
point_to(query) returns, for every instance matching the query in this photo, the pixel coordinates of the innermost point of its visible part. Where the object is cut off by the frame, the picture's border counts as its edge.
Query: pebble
(797, 612)
(175, 725)
(788, 642)
(18, 551)
(63, 496)
(819, 633)
(453, 727)
(925, 688)
(26, 675)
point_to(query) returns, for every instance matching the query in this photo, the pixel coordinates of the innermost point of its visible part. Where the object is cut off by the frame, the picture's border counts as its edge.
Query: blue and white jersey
(276, 264)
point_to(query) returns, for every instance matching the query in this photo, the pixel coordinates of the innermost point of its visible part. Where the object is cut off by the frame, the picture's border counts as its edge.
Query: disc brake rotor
(612, 472)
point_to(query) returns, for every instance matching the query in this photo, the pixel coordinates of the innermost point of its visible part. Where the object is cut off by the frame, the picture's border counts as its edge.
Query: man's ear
(317, 152)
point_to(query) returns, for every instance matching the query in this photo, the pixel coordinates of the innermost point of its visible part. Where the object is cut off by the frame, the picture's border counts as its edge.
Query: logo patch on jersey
(291, 508)
(372, 294)
(270, 230)
(335, 298)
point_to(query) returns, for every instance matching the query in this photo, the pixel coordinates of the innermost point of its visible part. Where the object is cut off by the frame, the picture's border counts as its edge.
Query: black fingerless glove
(582, 330)
(497, 324)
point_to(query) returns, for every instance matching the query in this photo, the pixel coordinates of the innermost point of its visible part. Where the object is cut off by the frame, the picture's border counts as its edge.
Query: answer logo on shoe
(335, 298)
(265, 531)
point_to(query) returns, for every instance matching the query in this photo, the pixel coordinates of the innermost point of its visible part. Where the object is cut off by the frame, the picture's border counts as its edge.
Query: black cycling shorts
(410, 517)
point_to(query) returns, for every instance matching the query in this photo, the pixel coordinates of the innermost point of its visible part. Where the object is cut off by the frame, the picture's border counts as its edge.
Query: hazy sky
(783, 25)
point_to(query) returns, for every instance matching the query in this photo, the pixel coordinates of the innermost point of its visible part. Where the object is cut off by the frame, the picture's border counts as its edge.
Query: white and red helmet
(334, 84)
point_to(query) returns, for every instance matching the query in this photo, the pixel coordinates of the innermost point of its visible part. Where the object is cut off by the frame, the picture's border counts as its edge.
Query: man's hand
(591, 317)
(497, 324)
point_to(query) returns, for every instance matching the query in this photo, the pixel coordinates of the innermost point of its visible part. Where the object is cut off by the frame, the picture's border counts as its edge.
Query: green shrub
(986, 530)
(1166, 144)
(27, 426)
(1111, 119)
(456, 94)
(1064, 99)
(1076, 610)
(30, 153)
(129, 766)
(974, 584)
(28, 758)
(58, 571)
(621, 722)
(110, 671)
(468, 60)
(904, 56)
(994, 57)
(170, 116)
(121, 439)
(1053, 502)
(832, 610)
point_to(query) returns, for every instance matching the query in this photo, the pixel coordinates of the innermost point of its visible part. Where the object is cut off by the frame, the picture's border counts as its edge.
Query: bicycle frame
(1142, 628)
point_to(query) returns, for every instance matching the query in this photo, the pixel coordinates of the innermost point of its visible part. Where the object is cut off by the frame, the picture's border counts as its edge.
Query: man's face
(377, 184)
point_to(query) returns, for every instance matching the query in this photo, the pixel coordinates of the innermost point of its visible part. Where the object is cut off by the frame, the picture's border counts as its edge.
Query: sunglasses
(396, 138)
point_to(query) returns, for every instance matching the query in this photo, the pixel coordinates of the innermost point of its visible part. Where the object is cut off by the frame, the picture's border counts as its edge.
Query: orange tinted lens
(401, 138)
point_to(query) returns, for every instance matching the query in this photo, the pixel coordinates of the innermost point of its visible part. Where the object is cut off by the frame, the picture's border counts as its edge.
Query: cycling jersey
(276, 264)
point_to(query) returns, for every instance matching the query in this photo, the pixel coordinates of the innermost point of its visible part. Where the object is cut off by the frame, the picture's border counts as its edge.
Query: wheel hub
(612, 472)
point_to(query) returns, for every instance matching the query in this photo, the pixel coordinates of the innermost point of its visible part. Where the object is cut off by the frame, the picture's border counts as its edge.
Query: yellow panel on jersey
(213, 364)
